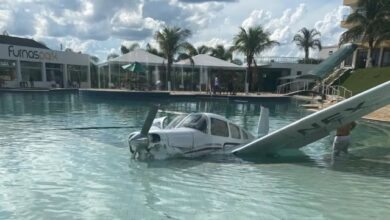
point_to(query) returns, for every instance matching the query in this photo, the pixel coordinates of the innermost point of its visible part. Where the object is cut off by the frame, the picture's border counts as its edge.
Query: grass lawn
(362, 79)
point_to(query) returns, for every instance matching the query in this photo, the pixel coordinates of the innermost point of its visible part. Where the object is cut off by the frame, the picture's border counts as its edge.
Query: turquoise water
(53, 166)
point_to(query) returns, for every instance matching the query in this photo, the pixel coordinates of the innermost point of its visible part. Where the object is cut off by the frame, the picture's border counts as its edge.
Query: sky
(99, 27)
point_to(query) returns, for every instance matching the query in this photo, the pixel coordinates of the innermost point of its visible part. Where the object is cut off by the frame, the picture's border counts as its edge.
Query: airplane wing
(318, 125)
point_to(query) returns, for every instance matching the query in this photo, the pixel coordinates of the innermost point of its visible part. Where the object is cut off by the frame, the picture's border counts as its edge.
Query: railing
(278, 59)
(293, 86)
(337, 92)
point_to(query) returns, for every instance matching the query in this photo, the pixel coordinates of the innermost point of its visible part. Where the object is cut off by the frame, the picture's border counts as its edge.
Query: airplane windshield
(175, 121)
(195, 121)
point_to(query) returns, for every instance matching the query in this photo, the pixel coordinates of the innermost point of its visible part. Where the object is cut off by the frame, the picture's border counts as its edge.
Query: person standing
(216, 84)
(342, 139)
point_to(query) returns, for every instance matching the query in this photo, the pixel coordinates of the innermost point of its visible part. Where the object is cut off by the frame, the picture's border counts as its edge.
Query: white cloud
(329, 26)
(99, 26)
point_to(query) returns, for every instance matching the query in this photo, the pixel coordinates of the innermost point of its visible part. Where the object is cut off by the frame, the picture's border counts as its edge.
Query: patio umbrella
(135, 68)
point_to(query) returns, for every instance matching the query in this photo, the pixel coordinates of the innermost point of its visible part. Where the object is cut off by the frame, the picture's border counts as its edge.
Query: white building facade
(23, 66)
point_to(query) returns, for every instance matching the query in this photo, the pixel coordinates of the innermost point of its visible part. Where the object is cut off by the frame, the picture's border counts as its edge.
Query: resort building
(205, 68)
(194, 74)
(28, 63)
(327, 51)
(275, 71)
(111, 73)
(380, 56)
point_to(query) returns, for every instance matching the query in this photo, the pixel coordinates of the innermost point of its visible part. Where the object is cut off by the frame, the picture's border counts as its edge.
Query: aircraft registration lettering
(332, 118)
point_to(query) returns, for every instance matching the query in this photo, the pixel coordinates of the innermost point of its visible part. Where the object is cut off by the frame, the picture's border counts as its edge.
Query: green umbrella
(134, 67)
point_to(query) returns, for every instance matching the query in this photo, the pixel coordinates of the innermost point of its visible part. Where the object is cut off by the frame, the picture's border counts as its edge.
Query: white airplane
(190, 135)
(198, 134)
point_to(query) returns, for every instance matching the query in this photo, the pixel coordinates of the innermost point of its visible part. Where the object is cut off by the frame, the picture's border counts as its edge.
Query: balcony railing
(269, 60)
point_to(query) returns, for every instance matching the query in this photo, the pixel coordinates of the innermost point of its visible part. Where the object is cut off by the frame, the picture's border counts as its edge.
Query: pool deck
(29, 89)
(380, 115)
(184, 95)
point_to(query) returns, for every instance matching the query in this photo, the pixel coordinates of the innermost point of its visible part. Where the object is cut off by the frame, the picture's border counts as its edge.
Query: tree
(220, 52)
(192, 51)
(237, 62)
(112, 56)
(370, 25)
(132, 47)
(306, 39)
(94, 59)
(153, 50)
(252, 42)
(171, 41)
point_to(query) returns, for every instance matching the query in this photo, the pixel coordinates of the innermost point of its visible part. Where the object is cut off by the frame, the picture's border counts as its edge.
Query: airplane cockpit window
(195, 121)
(219, 128)
(176, 121)
(235, 131)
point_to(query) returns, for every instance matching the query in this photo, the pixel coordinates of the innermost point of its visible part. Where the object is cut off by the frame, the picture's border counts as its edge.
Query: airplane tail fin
(263, 126)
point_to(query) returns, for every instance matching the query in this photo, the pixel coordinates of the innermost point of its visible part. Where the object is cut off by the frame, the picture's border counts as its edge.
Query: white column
(65, 76)
(354, 57)
(89, 76)
(18, 72)
(43, 72)
(157, 73)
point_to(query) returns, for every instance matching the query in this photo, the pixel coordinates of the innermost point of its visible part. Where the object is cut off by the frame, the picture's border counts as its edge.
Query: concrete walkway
(382, 114)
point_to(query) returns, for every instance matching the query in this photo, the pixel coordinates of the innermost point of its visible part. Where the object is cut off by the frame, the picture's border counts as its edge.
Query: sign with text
(14, 52)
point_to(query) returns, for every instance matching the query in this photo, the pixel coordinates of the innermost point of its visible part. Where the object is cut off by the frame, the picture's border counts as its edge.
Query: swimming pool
(61, 158)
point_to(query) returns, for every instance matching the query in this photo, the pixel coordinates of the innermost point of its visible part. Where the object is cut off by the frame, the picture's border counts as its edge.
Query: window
(386, 58)
(195, 121)
(348, 60)
(175, 121)
(7, 70)
(299, 73)
(234, 131)
(77, 73)
(54, 72)
(219, 128)
(31, 71)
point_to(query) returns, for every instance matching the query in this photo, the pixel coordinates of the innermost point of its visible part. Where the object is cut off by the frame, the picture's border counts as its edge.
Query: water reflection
(50, 169)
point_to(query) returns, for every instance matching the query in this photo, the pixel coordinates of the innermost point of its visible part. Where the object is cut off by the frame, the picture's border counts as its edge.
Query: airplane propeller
(149, 120)
(139, 142)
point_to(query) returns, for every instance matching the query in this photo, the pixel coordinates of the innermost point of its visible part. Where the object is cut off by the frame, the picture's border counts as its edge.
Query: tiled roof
(4, 39)
(140, 56)
(209, 61)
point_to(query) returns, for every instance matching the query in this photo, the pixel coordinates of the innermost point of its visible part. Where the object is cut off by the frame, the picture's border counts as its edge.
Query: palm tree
(153, 50)
(237, 61)
(252, 42)
(172, 40)
(306, 39)
(371, 25)
(94, 59)
(220, 52)
(192, 51)
(125, 50)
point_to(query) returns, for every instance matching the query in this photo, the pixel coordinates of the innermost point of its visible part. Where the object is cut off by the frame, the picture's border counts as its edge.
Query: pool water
(65, 156)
